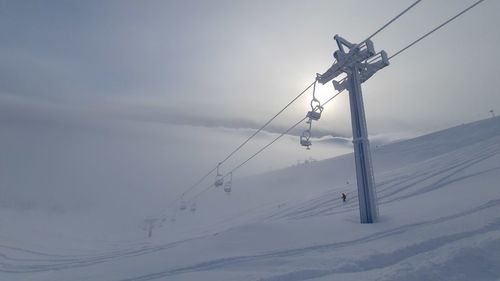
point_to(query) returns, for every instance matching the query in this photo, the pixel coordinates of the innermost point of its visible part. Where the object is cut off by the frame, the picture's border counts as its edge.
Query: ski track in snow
(68, 262)
(388, 191)
(397, 184)
(371, 262)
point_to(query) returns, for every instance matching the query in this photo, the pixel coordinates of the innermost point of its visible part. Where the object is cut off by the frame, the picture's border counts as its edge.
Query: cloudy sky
(140, 95)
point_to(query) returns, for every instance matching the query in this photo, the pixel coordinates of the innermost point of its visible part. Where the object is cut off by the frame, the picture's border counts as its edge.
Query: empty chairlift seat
(229, 183)
(305, 139)
(219, 179)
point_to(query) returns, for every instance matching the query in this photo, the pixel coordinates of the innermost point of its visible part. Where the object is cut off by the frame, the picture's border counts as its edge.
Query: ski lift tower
(356, 63)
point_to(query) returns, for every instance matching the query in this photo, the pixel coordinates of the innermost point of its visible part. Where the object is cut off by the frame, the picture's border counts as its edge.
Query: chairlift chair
(219, 179)
(316, 109)
(229, 183)
(305, 139)
(315, 113)
(227, 187)
(193, 207)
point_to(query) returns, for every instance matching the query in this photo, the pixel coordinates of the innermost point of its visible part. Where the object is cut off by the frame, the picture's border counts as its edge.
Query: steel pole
(367, 196)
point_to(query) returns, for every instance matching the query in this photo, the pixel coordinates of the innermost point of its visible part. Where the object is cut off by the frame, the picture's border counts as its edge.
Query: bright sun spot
(324, 92)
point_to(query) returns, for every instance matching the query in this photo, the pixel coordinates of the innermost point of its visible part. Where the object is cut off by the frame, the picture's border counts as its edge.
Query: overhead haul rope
(435, 29)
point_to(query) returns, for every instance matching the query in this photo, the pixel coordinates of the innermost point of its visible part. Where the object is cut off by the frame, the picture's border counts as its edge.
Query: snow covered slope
(439, 200)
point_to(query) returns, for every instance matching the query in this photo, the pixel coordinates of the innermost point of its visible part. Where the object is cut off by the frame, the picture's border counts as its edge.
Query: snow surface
(439, 200)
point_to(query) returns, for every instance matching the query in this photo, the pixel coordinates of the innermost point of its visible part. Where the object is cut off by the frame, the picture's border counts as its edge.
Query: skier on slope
(344, 196)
